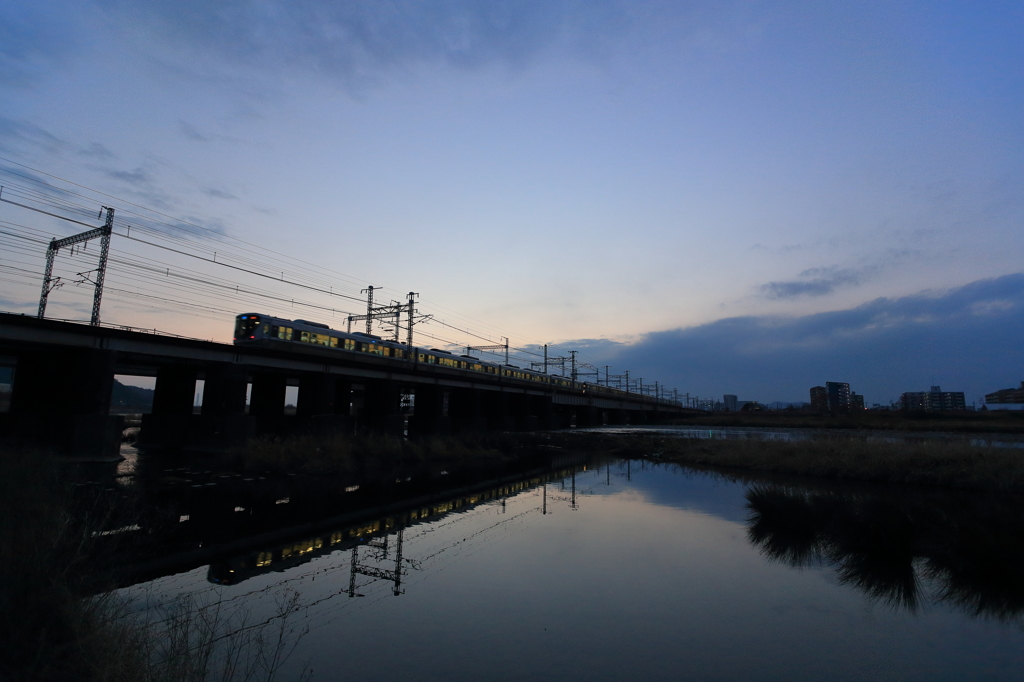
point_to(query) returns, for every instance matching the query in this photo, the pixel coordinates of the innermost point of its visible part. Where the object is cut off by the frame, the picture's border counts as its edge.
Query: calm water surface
(629, 570)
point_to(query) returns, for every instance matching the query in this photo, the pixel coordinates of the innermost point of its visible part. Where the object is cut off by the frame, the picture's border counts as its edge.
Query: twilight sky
(731, 196)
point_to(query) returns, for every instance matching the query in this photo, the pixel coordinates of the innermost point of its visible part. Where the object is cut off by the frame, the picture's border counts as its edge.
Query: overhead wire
(153, 229)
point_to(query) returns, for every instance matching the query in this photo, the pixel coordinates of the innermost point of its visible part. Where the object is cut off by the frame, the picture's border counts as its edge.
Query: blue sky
(677, 182)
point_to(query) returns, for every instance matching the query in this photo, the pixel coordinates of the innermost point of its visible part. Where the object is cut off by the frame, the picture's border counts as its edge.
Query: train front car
(247, 327)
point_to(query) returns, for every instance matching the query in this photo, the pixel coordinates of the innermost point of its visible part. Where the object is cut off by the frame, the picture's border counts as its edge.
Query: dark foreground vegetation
(991, 421)
(54, 627)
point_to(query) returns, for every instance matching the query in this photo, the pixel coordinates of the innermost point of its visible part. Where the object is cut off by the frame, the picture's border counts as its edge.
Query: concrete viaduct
(64, 373)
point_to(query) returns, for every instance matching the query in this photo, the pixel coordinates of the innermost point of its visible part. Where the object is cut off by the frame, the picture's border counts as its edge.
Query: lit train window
(334, 342)
(350, 344)
(305, 337)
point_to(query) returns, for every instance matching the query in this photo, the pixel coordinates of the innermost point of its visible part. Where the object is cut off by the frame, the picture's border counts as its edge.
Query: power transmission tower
(49, 284)
(572, 355)
(394, 576)
(382, 312)
(549, 361)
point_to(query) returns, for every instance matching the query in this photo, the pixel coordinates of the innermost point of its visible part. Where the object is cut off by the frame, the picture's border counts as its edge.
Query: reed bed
(53, 627)
(994, 421)
(949, 464)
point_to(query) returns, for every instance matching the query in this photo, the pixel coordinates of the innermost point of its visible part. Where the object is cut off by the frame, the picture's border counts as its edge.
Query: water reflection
(905, 549)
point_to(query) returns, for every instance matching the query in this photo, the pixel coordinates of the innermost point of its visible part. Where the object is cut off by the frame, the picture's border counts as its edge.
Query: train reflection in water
(375, 536)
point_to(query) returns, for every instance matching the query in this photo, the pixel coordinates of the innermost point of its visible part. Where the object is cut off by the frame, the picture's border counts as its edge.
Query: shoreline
(957, 465)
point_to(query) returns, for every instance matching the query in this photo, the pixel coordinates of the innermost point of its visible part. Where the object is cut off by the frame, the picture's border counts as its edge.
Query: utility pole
(411, 313)
(572, 354)
(627, 380)
(607, 382)
(369, 308)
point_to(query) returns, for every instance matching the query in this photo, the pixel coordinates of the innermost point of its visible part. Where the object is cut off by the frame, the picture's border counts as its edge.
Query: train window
(334, 342)
(305, 337)
(431, 359)
(350, 344)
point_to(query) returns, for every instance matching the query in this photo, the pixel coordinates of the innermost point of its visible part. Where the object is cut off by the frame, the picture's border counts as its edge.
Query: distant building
(933, 400)
(819, 399)
(838, 396)
(1006, 396)
(729, 401)
(856, 402)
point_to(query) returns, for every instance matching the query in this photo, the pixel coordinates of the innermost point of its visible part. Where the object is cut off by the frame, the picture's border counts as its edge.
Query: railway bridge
(64, 372)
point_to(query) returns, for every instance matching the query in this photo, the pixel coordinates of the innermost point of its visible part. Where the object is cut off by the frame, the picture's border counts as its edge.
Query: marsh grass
(54, 625)
(950, 464)
(994, 421)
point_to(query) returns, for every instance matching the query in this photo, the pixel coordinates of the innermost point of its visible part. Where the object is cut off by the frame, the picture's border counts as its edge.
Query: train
(259, 329)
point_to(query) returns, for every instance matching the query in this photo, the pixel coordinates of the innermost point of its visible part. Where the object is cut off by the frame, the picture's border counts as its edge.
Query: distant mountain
(131, 398)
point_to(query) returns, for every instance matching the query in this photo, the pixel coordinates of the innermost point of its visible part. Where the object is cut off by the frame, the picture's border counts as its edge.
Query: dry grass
(956, 465)
(960, 422)
(50, 629)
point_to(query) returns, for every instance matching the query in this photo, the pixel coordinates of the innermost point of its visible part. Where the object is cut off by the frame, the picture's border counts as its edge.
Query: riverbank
(948, 464)
(56, 626)
(992, 421)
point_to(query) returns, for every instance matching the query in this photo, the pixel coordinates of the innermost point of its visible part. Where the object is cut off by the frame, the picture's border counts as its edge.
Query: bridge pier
(430, 413)
(382, 409)
(171, 422)
(465, 406)
(323, 405)
(62, 400)
(542, 409)
(224, 423)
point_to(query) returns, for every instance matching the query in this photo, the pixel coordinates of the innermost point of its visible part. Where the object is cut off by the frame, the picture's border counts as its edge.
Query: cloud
(190, 131)
(356, 39)
(14, 130)
(33, 36)
(98, 151)
(966, 339)
(815, 286)
(139, 176)
(219, 194)
(822, 281)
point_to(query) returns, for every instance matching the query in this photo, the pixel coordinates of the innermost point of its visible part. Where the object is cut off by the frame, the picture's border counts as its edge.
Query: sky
(728, 197)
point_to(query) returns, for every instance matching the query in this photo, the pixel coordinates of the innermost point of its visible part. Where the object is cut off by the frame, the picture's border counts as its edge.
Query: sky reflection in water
(661, 573)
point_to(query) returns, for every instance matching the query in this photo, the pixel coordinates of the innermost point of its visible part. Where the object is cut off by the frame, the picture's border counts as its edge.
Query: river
(611, 570)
